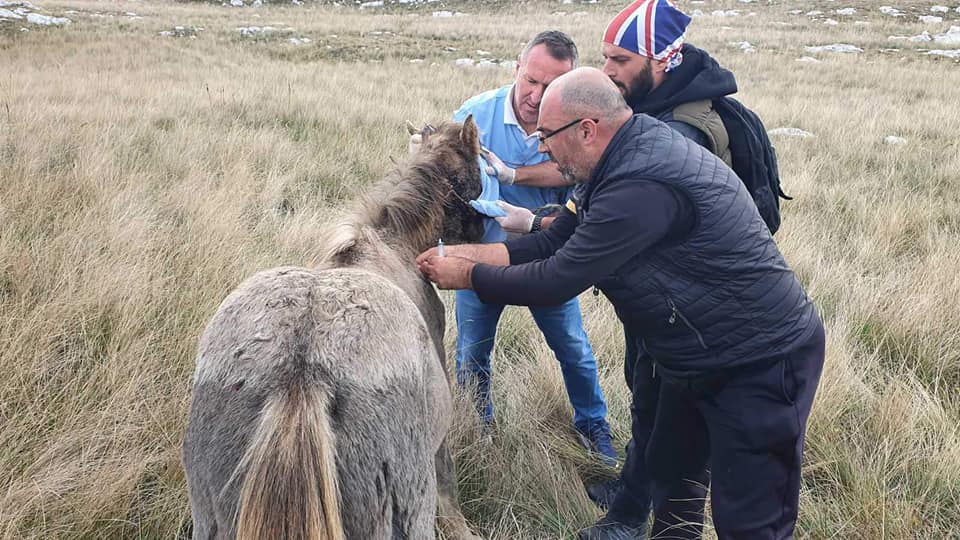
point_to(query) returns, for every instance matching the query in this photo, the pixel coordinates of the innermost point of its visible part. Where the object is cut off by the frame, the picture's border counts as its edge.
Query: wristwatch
(535, 226)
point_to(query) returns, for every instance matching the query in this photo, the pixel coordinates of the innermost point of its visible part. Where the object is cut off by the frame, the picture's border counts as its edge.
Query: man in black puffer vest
(670, 235)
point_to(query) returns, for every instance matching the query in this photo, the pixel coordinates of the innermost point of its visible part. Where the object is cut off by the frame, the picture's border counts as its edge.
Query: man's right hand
(498, 168)
(517, 220)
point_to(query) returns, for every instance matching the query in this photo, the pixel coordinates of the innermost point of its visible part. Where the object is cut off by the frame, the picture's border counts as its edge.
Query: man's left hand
(447, 272)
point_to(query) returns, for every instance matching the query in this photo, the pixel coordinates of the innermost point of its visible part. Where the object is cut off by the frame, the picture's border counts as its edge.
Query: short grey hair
(593, 99)
(559, 45)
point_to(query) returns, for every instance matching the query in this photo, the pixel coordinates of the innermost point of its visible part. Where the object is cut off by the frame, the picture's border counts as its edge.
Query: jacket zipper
(673, 319)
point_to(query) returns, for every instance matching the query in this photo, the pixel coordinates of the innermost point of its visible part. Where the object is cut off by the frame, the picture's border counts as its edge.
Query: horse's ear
(427, 131)
(469, 135)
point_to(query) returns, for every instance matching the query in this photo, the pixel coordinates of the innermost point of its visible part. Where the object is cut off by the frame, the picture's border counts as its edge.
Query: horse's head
(453, 148)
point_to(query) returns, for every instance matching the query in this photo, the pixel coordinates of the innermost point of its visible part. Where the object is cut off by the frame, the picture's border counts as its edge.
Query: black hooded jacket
(698, 77)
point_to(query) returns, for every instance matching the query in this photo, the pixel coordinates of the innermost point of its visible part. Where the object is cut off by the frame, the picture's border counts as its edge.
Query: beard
(637, 88)
(571, 176)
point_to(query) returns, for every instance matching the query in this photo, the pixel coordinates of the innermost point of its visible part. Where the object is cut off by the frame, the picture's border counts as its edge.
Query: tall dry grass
(142, 178)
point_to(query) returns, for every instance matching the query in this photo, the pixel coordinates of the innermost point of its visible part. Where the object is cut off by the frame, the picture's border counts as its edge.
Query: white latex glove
(413, 145)
(498, 168)
(517, 220)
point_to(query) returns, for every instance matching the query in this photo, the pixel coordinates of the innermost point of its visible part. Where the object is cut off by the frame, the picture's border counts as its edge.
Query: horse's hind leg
(449, 516)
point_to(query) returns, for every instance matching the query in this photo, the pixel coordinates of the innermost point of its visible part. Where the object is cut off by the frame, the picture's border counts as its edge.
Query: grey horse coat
(320, 400)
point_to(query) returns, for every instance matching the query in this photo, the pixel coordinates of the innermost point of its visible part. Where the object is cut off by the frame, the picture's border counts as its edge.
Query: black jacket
(693, 271)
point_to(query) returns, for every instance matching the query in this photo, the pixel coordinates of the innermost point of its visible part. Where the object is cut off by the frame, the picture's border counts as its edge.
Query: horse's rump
(347, 341)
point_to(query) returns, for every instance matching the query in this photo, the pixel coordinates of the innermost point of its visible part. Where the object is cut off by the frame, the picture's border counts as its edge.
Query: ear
(426, 132)
(411, 129)
(469, 135)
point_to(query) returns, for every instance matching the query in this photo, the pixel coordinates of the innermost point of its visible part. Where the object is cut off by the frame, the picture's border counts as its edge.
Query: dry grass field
(143, 176)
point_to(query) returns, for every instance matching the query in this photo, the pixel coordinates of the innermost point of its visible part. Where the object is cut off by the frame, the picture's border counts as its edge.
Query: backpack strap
(700, 114)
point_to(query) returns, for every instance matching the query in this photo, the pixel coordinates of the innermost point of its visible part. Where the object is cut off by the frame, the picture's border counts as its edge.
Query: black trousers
(745, 426)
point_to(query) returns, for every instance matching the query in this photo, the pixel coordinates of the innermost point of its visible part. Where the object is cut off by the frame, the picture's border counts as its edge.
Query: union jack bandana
(651, 28)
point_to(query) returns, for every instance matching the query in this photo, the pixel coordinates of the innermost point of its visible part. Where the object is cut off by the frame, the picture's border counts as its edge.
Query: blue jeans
(562, 327)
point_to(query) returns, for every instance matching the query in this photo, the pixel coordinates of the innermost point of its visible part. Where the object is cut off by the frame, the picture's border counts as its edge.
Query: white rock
(481, 52)
(814, 13)
(745, 1)
(808, 59)
(952, 53)
(958, 9)
(830, 22)
(835, 47)
(920, 38)
(893, 139)
(930, 19)
(696, 13)
(728, 13)
(299, 41)
(846, 11)
(377, 3)
(862, 23)
(236, 3)
(7, 14)
(24, 5)
(790, 132)
(891, 11)
(464, 62)
(744, 46)
(951, 37)
(46, 20)
(509, 64)
(416, 61)
(795, 11)
(939, 9)
(443, 14)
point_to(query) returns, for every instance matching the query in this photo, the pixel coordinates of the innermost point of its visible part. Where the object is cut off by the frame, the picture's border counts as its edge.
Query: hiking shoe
(603, 493)
(596, 439)
(609, 528)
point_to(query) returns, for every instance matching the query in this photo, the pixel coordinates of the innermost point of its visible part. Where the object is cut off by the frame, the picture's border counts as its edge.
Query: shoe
(609, 528)
(595, 437)
(603, 493)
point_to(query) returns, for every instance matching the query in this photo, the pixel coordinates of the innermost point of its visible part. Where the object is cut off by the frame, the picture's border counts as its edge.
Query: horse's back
(356, 338)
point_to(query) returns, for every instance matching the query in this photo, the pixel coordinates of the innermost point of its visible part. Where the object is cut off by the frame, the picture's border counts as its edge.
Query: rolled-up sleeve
(625, 218)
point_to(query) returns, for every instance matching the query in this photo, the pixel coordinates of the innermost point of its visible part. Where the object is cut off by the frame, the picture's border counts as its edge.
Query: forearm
(495, 254)
(544, 174)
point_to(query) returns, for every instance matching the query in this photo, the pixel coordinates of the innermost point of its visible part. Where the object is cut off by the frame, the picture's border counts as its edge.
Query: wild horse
(320, 400)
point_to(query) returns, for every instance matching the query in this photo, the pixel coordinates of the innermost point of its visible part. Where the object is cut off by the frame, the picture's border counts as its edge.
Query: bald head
(586, 93)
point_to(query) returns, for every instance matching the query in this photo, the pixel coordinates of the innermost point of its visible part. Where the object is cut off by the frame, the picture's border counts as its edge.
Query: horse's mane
(405, 209)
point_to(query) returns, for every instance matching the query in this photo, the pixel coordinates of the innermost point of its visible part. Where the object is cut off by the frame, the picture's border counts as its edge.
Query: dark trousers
(745, 425)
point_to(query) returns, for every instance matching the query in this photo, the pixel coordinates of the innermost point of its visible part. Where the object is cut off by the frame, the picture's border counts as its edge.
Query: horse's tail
(290, 485)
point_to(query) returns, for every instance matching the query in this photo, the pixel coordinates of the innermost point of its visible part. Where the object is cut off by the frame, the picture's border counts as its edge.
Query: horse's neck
(397, 264)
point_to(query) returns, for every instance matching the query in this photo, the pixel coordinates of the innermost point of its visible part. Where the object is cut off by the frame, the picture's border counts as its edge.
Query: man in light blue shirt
(507, 119)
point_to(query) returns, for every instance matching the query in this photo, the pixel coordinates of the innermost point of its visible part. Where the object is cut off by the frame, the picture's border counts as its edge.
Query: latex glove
(498, 168)
(488, 208)
(413, 145)
(517, 220)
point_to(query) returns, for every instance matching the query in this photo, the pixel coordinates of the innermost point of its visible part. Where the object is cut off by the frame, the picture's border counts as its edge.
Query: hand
(447, 272)
(498, 168)
(517, 220)
(413, 145)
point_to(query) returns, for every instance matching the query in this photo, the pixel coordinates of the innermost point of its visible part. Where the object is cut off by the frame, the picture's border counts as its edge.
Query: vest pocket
(675, 315)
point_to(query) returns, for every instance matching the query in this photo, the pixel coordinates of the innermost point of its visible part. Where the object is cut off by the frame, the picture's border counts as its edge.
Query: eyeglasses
(546, 134)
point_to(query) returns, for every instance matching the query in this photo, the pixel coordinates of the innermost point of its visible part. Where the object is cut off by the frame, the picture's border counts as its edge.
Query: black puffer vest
(721, 297)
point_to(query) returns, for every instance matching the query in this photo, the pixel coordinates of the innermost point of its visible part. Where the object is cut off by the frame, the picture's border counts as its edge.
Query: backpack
(754, 158)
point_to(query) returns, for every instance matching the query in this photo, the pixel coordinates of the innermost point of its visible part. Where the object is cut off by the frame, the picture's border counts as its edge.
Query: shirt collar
(510, 117)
